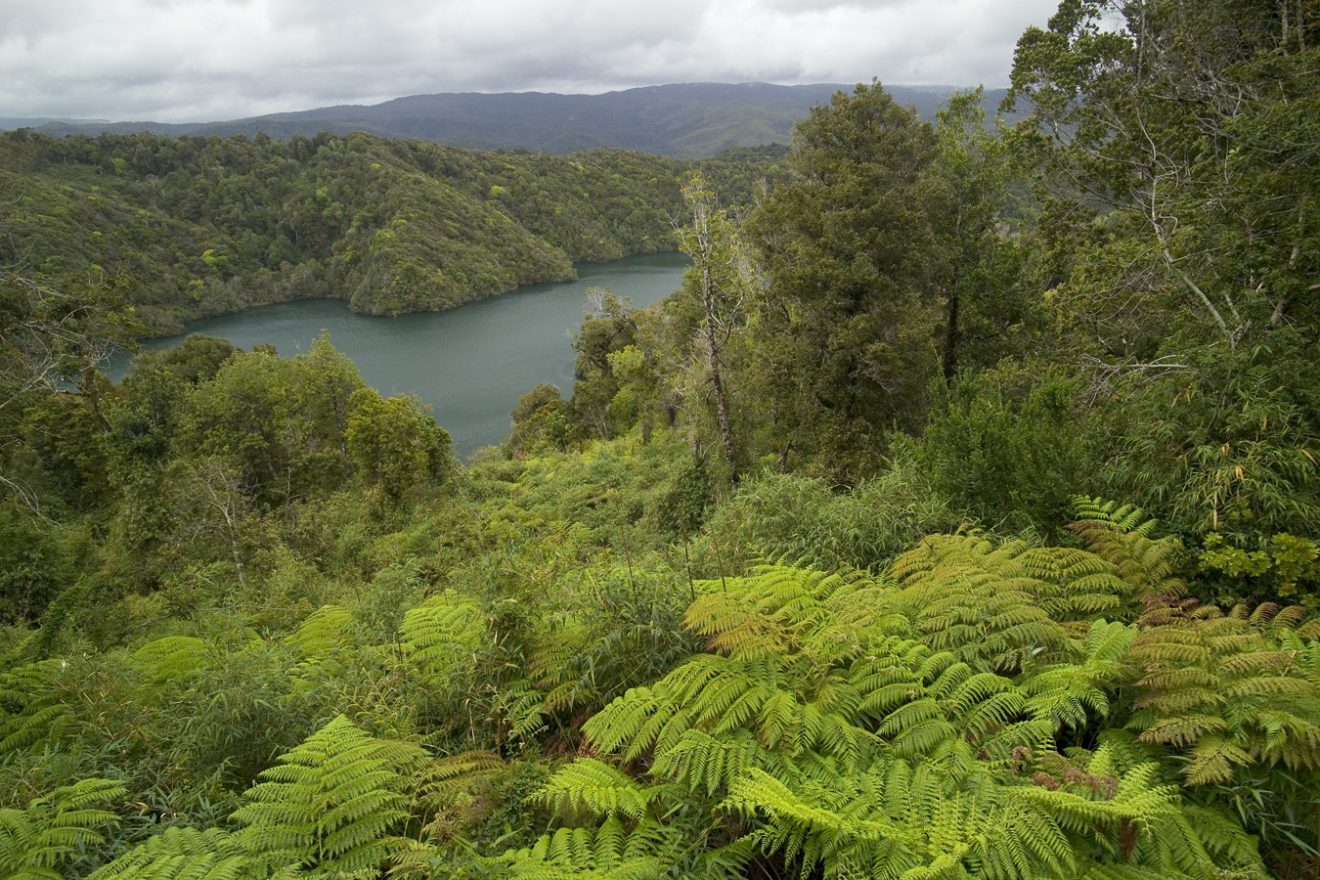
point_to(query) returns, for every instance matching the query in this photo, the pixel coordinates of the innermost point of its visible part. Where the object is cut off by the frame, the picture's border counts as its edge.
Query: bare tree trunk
(225, 498)
(712, 343)
(951, 336)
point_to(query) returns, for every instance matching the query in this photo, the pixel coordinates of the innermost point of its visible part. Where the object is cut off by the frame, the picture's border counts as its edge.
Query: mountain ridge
(683, 120)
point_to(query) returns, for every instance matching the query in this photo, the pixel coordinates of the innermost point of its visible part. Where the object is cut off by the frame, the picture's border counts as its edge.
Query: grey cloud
(181, 60)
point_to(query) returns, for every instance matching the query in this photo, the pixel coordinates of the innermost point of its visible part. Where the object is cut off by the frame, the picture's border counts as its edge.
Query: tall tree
(969, 192)
(845, 319)
(1175, 147)
(1177, 139)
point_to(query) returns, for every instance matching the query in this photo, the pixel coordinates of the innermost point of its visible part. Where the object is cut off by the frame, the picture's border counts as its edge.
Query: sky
(199, 60)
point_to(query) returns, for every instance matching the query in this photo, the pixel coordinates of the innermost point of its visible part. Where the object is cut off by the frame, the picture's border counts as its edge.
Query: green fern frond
(1231, 690)
(593, 787)
(1123, 517)
(35, 842)
(182, 854)
(1072, 693)
(701, 762)
(604, 853)
(767, 612)
(326, 807)
(1002, 607)
(1122, 535)
(442, 634)
(31, 708)
(170, 658)
(324, 633)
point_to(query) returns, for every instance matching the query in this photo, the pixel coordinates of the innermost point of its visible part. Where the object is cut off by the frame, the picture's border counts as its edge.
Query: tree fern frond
(328, 804)
(37, 840)
(31, 708)
(1227, 688)
(170, 658)
(594, 854)
(182, 854)
(1122, 535)
(593, 787)
(324, 633)
(441, 634)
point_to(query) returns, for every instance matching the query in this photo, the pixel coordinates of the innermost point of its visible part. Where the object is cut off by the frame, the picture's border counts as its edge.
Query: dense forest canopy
(956, 519)
(200, 226)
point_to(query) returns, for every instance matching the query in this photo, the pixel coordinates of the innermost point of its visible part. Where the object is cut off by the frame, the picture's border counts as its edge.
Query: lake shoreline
(470, 363)
(179, 327)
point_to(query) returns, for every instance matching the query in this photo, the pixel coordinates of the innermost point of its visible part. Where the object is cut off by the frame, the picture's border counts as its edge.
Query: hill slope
(202, 226)
(683, 120)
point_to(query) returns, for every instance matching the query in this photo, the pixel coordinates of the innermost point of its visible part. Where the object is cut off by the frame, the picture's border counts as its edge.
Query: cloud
(184, 60)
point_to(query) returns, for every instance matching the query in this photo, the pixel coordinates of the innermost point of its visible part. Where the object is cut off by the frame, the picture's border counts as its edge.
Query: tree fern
(328, 804)
(324, 633)
(551, 665)
(912, 725)
(767, 612)
(1123, 536)
(37, 841)
(1002, 606)
(1075, 693)
(183, 854)
(612, 851)
(32, 709)
(591, 787)
(939, 820)
(441, 634)
(617, 848)
(1228, 690)
(170, 659)
(456, 791)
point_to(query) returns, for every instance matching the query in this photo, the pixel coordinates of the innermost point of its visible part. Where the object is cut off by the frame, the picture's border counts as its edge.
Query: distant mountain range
(684, 120)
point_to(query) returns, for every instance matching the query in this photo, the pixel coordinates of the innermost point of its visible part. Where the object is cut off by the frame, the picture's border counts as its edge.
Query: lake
(470, 364)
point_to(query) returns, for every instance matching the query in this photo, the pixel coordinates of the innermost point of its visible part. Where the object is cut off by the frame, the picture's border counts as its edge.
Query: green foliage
(859, 726)
(279, 422)
(1124, 536)
(923, 357)
(591, 787)
(202, 226)
(803, 519)
(33, 566)
(542, 422)
(1230, 689)
(609, 328)
(844, 328)
(683, 508)
(326, 808)
(182, 854)
(1163, 142)
(37, 842)
(395, 444)
(607, 852)
(632, 633)
(442, 635)
(31, 703)
(1284, 567)
(1229, 445)
(1007, 448)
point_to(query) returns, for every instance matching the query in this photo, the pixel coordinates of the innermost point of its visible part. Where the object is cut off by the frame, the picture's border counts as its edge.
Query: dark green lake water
(470, 364)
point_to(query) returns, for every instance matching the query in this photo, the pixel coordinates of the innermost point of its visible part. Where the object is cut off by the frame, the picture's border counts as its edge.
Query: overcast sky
(193, 60)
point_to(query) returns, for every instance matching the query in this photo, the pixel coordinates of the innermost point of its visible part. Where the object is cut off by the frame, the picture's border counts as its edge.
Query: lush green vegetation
(814, 574)
(201, 226)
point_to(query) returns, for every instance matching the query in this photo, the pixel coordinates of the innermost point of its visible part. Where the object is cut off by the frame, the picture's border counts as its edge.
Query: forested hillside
(680, 119)
(201, 226)
(956, 519)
